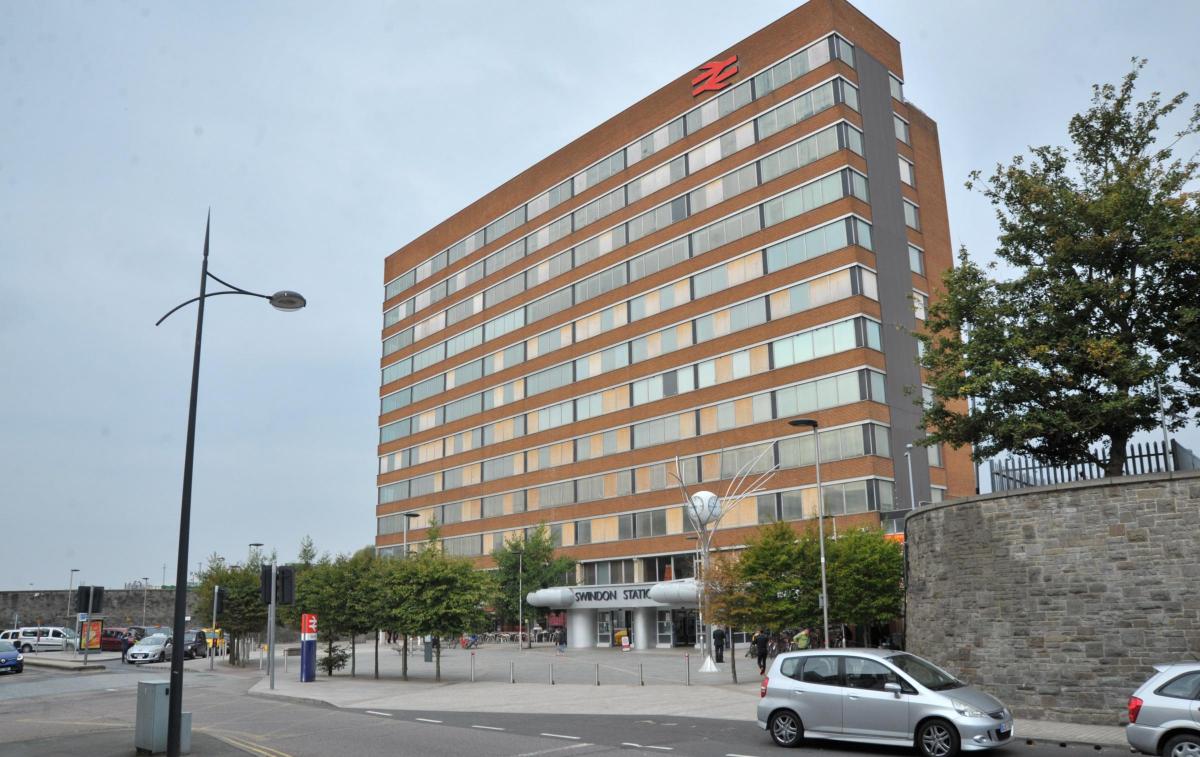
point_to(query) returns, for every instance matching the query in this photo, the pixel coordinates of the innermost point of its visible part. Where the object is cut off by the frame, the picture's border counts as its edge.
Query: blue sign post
(308, 648)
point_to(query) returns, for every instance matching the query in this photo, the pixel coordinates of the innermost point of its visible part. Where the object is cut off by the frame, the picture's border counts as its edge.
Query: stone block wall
(122, 607)
(1058, 600)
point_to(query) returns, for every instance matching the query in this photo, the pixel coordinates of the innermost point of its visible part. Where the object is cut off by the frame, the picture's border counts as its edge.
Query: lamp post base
(709, 666)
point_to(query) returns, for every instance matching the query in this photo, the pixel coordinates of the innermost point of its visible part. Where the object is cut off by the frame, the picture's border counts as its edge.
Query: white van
(41, 638)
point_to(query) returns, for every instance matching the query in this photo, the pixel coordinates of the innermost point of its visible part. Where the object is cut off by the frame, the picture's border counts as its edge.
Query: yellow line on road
(259, 749)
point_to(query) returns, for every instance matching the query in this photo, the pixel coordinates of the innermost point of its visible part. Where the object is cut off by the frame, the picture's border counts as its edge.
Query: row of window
(787, 159)
(844, 183)
(702, 115)
(809, 396)
(809, 294)
(793, 452)
(839, 498)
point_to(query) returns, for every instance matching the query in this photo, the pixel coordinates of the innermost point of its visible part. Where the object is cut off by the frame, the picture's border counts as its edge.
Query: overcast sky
(324, 136)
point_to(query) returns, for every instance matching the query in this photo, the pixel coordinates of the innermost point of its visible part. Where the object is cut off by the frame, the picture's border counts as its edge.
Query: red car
(110, 638)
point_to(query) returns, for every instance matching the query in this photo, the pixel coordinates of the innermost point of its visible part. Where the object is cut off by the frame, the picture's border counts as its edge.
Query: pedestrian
(124, 646)
(762, 643)
(560, 641)
(802, 639)
(719, 643)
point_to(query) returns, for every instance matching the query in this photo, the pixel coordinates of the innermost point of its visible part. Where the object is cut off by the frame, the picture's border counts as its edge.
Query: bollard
(641, 678)
(687, 669)
(285, 656)
(597, 674)
(472, 667)
(551, 674)
(512, 677)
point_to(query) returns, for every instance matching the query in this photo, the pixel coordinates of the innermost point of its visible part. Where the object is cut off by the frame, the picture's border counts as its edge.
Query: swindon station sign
(630, 595)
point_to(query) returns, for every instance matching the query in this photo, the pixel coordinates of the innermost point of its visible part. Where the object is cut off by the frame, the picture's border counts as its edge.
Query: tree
(778, 580)
(322, 590)
(541, 569)
(244, 612)
(865, 572)
(307, 554)
(729, 602)
(1103, 307)
(448, 595)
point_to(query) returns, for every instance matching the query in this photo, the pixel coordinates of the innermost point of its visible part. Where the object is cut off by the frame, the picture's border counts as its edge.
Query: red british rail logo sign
(714, 75)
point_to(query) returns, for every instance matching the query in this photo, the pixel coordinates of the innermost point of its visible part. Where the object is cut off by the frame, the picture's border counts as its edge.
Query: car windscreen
(925, 673)
(6, 646)
(152, 641)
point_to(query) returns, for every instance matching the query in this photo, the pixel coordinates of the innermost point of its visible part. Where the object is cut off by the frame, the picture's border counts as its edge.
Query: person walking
(802, 639)
(719, 643)
(560, 642)
(762, 643)
(125, 644)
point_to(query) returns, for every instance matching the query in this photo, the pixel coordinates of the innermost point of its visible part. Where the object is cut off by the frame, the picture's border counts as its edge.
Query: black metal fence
(1152, 457)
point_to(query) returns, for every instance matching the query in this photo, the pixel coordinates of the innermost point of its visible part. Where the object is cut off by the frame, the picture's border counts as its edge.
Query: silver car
(1164, 713)
(878, 696)
(156, 648)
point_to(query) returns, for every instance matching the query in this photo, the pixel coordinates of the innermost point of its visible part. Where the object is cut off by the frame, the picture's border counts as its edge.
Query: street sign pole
(212, 651)
(88, 627)
(271, 630)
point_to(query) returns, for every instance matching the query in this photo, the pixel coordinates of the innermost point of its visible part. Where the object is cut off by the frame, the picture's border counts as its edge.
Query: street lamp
(812, 423)
(70, 585)
(145, 589)
(283, 300)
(407, 518)
(250, 553)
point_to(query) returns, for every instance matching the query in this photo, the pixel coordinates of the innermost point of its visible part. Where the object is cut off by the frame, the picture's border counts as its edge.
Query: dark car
(195, 644)
(110, 639)
(11, 657)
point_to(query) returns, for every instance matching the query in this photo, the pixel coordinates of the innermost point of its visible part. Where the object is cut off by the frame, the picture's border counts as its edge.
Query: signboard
(89, 634)
(308, 627)
(714, 76)
(627, 595)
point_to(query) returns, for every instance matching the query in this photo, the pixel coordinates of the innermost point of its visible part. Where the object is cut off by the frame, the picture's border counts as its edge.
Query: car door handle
(852, 696)
(797, 691)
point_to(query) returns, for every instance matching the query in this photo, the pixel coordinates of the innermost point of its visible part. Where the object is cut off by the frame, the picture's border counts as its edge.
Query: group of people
(761, 644)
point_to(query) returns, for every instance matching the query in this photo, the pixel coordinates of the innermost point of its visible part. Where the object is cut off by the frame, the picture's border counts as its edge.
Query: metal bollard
(285, 656)
(472, 667)
(641, 678)
(687, 669)
(597, 674)
(512, 676)
(551, 674)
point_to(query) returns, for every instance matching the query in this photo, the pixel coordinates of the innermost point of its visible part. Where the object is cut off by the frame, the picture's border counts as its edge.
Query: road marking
(428, 720)
(631, 745)
(556, 749)
(662, 748)
(110, 689)
(374, 712)
(731, 754)
(262, 751)
(487, 728)
(560, 736)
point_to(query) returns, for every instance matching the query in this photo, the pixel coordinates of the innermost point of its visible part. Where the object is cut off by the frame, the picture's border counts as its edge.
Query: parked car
(41, 638)
(195, 644)
(1164, 713)
(11, 657)
(141, 632)
(156, 648)
(216, 638)
(110, 638)
(878, 696)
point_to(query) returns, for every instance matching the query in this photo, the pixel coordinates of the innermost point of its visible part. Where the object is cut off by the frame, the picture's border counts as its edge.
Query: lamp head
(806, 422)
(287, 300)
(412, 515)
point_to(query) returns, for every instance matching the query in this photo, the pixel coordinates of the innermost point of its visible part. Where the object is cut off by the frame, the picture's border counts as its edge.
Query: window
(583, 532)
(901, 129)
(907, 172)
(862, 673)
(916, 260)
(804, 198)
(800, 154)
(920, 304)
(896, 86)
(911, 216)
(821, 670)
(722, 147)
(1186, 686)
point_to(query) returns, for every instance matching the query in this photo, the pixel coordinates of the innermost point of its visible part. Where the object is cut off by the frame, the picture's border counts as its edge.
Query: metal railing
(1152, 457)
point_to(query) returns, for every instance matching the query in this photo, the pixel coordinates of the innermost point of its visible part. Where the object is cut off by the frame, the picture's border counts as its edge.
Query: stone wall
(1059, 600)
(122, 607)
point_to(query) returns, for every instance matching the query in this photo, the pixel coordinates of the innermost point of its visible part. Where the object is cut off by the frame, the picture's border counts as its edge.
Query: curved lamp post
(284, 300)
(812, 423)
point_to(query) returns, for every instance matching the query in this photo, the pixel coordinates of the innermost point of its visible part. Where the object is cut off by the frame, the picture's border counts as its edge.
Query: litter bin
(153, 708)
(428, 649)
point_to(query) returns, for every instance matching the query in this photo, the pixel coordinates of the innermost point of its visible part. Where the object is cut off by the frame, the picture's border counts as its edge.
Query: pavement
(71, 660)
(504, 679)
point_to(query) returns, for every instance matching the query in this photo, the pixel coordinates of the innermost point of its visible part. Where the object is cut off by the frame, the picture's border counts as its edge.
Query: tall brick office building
(753, 243)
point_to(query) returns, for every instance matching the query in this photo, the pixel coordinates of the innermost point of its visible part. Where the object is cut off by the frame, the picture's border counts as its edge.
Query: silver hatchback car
(878, 696)
(1164, 713)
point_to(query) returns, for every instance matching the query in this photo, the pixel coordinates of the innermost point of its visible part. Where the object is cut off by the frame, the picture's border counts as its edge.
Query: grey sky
(324, 136)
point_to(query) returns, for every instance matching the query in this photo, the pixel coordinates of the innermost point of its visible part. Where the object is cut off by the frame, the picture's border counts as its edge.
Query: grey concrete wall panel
(903, 383)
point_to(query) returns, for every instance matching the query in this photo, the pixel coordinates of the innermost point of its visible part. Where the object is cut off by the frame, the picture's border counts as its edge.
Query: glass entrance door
(604, 629)
(665, 629)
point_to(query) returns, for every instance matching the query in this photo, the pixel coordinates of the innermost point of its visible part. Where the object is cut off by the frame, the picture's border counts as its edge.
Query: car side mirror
(893, 687)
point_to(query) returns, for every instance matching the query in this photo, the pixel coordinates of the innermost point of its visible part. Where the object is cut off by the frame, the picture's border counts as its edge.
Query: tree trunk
(330, 671)
(732, 655)
(376, 654)
(1116, 456)
(353, 657)
(404, 659)
(437, 663)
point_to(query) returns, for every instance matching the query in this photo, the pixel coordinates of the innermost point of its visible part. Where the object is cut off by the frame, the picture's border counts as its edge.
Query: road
(45, 713)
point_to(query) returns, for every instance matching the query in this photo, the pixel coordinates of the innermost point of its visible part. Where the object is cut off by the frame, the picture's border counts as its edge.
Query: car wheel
(786, 729)
(26, 648)
(1183, 745)
(937, 738)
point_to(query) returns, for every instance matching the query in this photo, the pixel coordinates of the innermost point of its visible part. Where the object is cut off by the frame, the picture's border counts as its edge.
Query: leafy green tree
(321, 589)
(448, 595)
(307, 554)
(244, 612)
(729, 602)
(539, 568)
(1103, 305)
(865, 572)
(778, 585)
